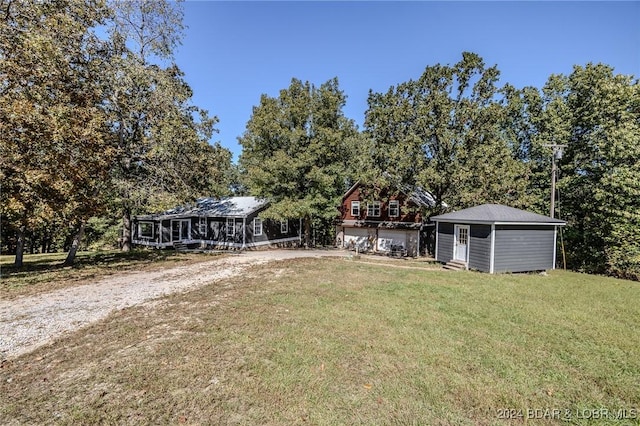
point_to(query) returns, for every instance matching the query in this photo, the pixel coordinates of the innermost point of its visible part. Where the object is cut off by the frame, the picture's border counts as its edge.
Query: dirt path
(29, 322)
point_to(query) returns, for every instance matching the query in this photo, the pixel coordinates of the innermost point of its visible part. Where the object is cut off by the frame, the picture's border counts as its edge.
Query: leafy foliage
(296, 151)
(55, 146)
(443, 132)
(164, 157)
(92, 126)
(601, 171)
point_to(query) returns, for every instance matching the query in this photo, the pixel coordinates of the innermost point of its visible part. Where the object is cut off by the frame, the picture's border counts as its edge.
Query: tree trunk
(307, 231)
(46, 242)
(71, 256)
(126, 230)
(20, 248)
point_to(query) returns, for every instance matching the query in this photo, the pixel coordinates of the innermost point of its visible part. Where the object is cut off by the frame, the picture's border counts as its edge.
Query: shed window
(231, 227)
(257, 226)
(145, 229)
(373, 209)
(394, 208)
(355, 208)
(284, 226)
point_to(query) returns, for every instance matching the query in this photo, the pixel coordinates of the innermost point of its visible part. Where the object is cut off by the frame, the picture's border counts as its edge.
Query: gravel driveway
(29, 322)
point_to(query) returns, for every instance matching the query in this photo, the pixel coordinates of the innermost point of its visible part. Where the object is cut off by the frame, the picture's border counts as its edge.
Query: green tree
(163, 155)
(446, 133)
(600, 187)
(296, 152)
(54, 143)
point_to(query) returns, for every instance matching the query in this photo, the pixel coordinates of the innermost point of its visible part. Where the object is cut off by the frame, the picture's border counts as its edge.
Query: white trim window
(355, 208)
(231, 227)
(394, 208)
(257, 226)
(373, 209)
(284, 226)
(146, 230)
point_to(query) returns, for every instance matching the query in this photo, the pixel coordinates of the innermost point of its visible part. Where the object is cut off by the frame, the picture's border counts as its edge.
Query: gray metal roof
(419, 196)
(214, 207)
(496, 214)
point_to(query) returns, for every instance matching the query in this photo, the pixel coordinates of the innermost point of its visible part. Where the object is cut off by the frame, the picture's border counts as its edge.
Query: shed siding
(523, 248)
(445, 242)
(480, 247)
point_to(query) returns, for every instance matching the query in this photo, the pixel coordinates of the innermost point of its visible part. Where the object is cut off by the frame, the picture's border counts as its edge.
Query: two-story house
(384, 221)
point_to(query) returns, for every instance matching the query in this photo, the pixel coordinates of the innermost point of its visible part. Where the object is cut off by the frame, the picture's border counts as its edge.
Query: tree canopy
(163, 155)
(296, 151)
(444, 132)
(90, 124)
(600, 183)
(55, 146)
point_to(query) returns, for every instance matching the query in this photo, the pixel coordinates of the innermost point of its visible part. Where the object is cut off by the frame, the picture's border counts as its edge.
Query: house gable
(394, 208)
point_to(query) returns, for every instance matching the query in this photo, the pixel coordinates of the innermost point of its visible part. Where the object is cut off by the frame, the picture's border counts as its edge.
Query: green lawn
(328, 342)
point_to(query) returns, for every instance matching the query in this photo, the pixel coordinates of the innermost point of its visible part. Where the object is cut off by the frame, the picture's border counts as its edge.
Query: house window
(373, 209)
(257, 226)
(231, 227)
(284, 226)
(394, 208)
(355, 208)
(145, 230)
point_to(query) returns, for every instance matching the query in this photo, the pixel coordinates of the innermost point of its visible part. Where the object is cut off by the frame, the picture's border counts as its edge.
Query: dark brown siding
(406, 215)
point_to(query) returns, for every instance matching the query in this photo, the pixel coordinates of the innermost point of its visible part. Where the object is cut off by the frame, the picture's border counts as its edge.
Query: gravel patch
(29, 322)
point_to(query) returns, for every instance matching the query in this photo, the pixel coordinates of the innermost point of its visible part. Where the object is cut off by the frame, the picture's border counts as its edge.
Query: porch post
(244, 232)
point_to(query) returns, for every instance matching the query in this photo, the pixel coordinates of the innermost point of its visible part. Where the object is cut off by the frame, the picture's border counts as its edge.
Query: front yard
(331, 341)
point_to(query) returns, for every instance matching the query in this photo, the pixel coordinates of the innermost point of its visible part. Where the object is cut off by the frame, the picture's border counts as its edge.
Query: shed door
(461, 243)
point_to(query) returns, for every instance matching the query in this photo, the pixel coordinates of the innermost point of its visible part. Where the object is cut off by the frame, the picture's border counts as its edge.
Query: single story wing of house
(496, 238)
(230, 222)
(392, 223)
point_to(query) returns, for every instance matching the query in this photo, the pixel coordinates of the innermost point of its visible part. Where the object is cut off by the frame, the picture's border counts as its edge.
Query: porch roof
(212, 207)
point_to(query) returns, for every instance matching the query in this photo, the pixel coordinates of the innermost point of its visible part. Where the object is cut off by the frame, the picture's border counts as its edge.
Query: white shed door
(461, 243)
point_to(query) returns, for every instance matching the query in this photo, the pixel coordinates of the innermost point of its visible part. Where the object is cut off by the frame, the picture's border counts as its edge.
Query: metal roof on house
(496, 214)
(214, 207)
(419, 196)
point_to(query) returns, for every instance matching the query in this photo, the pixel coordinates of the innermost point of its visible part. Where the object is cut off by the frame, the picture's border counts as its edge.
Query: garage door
(387, 238)
(358, 237)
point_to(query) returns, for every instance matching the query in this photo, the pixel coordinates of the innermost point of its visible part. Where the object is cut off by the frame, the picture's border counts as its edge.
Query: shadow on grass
(37, 264)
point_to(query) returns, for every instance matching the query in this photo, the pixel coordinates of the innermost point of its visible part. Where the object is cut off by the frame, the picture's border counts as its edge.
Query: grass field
(329, 342)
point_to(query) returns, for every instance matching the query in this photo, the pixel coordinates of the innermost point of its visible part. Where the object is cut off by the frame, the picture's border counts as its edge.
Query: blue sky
(233, 52)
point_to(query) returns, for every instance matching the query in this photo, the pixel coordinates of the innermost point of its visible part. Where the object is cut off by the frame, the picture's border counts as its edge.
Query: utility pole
(557, 154)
